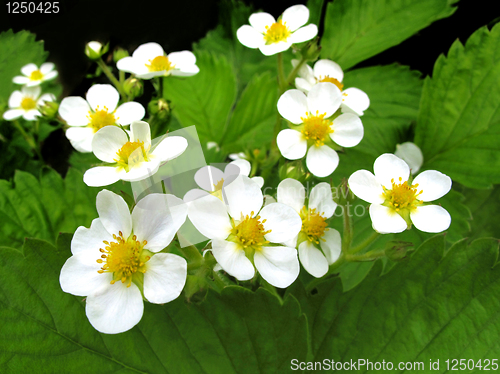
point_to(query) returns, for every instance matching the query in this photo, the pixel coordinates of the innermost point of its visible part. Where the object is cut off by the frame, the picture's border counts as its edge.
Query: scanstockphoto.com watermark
(367, 365)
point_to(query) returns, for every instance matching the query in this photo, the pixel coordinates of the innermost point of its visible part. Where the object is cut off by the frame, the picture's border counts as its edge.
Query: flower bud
(49, 109)
(94, 50)
(342, 194)
(291, 170)
(397, 250)
(119, 53)
(159, 108)
(312, 50)
(133, 87)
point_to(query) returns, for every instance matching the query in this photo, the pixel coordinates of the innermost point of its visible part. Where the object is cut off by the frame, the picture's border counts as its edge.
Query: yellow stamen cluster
(402, 196)
(101, 118)
(217, 192)
(250, 232)
(278, 32)
(123, 258)
(316, 128)
(329, 79)
(131, 154)
(160, 63)
(28, 103)
(313, 224)
(36, 75)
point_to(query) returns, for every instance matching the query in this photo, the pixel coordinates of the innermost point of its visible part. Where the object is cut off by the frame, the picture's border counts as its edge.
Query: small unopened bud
(291, 170)
(119, 53)
(160, 108)
(343, 195)
(133, 87)
(397, 250)
(94, 50)
(311, 51)
(49, 109)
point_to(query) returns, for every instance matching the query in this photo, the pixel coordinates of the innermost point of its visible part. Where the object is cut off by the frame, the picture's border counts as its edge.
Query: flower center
(28, 103)
(160, 63)
(402, 196)
(101, 118)
(313, 225)
(36, 75)
(250, 232)
(329, 79)
(123, 257)
(217, 192)
(131, 154)
(316, 128)
(278, 32)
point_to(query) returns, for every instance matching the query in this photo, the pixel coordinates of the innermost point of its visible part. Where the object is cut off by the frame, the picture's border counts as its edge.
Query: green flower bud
(312, 50)
(119, 53)
(133, 87)
(397, 250)
(342, 194)
(94, 50)
(292, 170)
(159, 108)
(49, 109)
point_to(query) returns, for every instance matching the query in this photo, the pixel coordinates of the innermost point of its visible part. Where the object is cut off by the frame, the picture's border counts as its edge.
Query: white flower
(396, 201)
(25, 103)
(411, 154)
(316, 130)
(32, 76)
(149, 61)
(272, 36)
(353, 99)
(133, 159)
(94, 50)
(319, 246)
(242, 233)
(116, 262)
(213, 180)
(86, 117)
(238, 156)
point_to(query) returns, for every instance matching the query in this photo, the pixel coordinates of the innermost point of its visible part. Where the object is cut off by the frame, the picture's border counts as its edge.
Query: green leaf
(16, 50)
(432, 307)
(45, 330)
(358, 29)
(31, 207)
(458, 126)
(252, 121)
(205, 99)
(315, 7)
(484, 205)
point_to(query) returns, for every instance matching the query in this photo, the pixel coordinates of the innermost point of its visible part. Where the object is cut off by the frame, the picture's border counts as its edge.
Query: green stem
(281, 74)
(368, 256)
(28, 139)
(121, 76)
(316, 281)
(294, 72)
(347, 233)
(112, 78)
(374, 236)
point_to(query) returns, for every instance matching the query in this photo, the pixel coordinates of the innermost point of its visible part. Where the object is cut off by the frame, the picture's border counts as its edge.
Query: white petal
(260, 20)
(332, 246)
(321, 199)
(259, 181)
(44, 98)
(75, 111)
(170, 147)
(183, 58)
(243, 197)
(148, 51)
(305, 72)
(114, 213)
(347, 130)
(141, 171)
(291, 144)
(194, 194)
(28, 69)
(324, 68)
(209, 215)
(46, 67)
(303, 85)
(292, 193)
(272, 49)
(304, 34)
(50, 75)
(283, 221)
(81, 138)
(101, 176)
(164, 278)
(411, 154)
(250, 37)
(324, 97)
(79, 275)
(386, 220)
(292, 105)
(388, 167)
(268, 199)
(32, 92)
(21, 80)
(312, 259)
(140, 131)
(31, 115)
(156, 218)
(433, 184)
(322, 161)
(208, 177)
(129, 112)
(279, 266)
(107, 142)
(90, 240)
(355, 100)
(243, 165)
(131, 65)
(115, 309)
(15, 99)
(295, 17)
(185, 71)
(11, 114)
(431, 218)
(364, 185)
(103, 95)
(232, 258)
